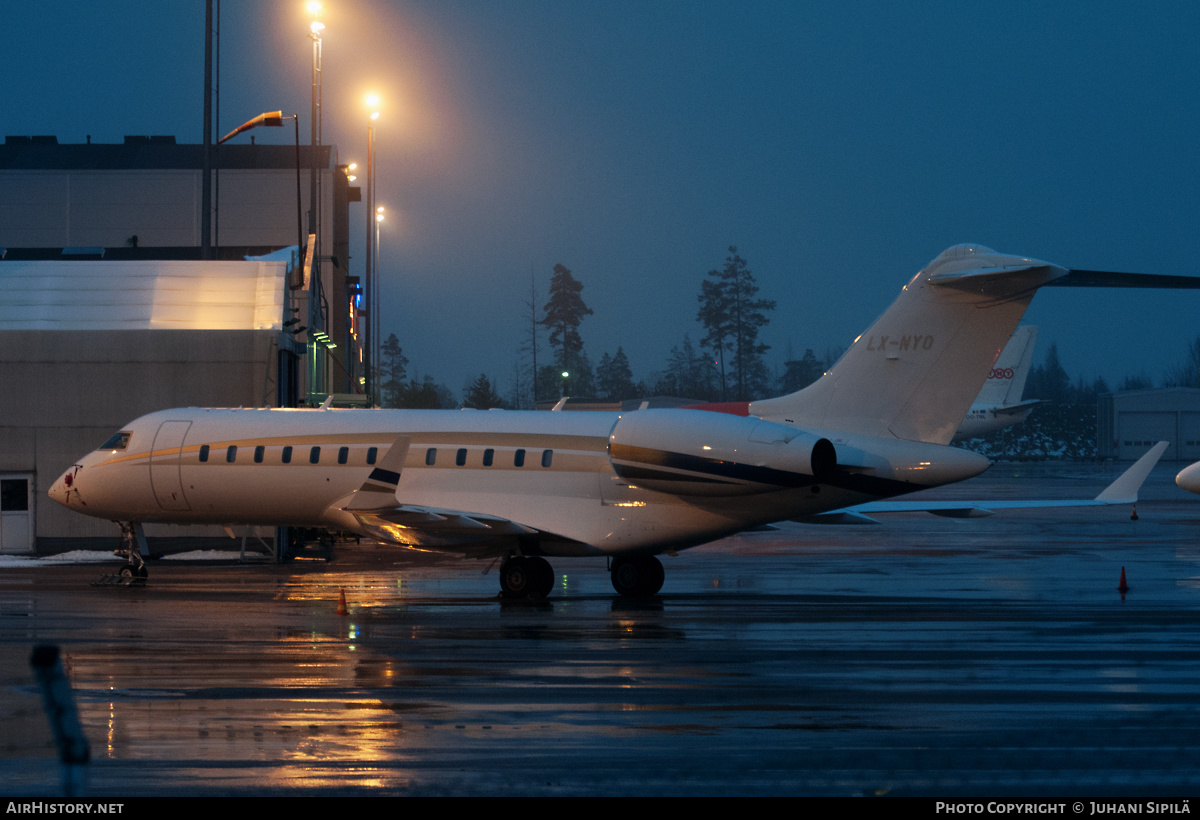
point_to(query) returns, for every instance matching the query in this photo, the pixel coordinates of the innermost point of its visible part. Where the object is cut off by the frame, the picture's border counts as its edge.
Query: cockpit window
(119, 441)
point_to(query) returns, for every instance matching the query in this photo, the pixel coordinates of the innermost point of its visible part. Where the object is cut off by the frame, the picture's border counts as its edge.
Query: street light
(314, 200)
(275, 119)
(375, 317)
(372, 333)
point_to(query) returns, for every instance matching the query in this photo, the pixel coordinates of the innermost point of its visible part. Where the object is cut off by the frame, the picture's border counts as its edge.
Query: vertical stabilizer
(1006, 380)
(914, 373)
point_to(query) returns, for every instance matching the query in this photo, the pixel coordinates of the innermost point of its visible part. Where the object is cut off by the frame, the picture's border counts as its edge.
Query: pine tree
(733, 318)
(614, 379)
(480, 394)
(800, 373)
(391, 372)
(562, 315)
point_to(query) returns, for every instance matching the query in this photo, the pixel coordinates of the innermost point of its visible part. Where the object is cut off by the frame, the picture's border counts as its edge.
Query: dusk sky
(839, 145)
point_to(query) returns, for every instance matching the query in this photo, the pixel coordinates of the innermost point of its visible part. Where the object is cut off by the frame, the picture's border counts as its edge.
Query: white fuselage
(982, 420)
(585, 482)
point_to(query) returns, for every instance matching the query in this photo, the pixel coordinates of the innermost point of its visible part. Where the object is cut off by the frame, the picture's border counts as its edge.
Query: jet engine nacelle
(696, 452)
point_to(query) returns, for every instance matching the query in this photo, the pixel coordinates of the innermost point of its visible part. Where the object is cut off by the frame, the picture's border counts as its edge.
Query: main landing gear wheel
(528, 577)
(637, 576)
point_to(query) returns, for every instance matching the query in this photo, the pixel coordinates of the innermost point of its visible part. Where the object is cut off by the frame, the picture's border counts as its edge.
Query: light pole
(314, 198)
(275, 119)
(286, 381)
(370, 337)
(375, 317)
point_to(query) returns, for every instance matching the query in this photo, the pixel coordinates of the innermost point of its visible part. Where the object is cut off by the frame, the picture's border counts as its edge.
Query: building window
(519, 458)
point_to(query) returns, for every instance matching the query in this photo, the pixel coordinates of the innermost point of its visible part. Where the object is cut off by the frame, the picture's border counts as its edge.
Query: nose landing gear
(133, 547)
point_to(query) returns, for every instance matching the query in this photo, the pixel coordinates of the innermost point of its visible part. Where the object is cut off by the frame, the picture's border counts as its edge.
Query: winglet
(1125, 489)
(379, 489)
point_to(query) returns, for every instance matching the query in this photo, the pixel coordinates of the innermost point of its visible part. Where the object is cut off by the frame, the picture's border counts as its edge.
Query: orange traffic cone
(342, 599)
(1123, 587)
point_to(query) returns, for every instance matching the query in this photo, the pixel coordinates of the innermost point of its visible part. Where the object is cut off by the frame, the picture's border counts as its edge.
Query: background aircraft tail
(914, 373)
(1006, 380)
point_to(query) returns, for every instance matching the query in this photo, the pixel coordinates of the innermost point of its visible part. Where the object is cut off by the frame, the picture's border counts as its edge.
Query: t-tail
(914, 373)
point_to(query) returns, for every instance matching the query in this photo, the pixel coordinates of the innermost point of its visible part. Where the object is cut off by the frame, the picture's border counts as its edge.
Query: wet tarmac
(923, 656)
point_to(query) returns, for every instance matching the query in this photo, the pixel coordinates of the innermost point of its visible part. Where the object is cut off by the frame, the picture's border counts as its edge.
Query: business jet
(521, 486)
(999, 403)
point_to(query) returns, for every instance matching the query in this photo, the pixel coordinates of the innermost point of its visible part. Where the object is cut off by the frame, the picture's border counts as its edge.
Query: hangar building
(110, 311)
(1127, 423)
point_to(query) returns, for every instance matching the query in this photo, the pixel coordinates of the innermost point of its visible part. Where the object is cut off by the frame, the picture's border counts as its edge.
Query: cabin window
(372, 452)
(203, 453)
(118, 441)
(547, 457)
(461, 458)
(519, 458)
(258, 454)
(343, 455)
(488, 455)
(430, 456)
(287, 454)
(231, 453)
(314, 455)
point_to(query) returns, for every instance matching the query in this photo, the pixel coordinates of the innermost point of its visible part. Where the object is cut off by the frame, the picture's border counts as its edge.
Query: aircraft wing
(442, 530)
(378, 513)
(1122, 491)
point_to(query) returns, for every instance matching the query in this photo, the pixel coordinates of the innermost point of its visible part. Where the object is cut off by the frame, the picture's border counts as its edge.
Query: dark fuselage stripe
(635, 463)
(385, 476)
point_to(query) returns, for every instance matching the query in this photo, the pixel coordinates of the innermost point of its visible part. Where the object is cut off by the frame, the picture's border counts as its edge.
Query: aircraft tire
(638, 576)
(543, 575)
(527, 578)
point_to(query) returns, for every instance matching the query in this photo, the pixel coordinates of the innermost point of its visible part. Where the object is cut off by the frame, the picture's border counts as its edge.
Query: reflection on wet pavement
(920, 656)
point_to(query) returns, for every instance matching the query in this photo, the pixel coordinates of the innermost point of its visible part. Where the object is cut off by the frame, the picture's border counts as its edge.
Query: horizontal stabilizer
(1014, 409)
(1122, 491)
(1115, 279)
(837, 517)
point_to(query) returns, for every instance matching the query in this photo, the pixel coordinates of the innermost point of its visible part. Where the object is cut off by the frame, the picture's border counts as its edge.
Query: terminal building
(114, 306)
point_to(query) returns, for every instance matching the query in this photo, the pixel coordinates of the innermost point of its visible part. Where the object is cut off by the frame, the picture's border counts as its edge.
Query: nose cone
(1189, 478)
(64, 491)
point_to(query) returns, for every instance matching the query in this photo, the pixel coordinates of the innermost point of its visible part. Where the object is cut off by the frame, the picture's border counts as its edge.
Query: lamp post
(275, 119)
(370, 337)
(375, 317)
(317, 378)
(286, 396)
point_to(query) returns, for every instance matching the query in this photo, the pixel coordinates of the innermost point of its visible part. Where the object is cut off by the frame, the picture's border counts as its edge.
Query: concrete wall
(162, 207)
